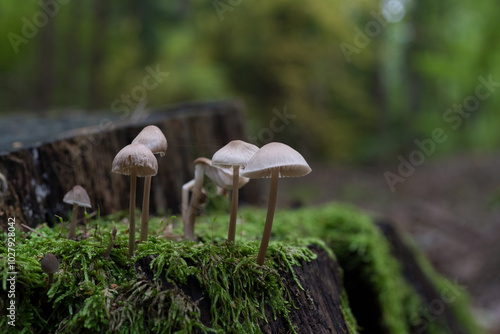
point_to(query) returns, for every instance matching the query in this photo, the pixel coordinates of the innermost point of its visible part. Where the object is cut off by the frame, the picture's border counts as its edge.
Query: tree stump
(38, 176)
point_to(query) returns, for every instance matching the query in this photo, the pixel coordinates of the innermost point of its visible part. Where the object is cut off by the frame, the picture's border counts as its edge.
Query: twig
(32, 230)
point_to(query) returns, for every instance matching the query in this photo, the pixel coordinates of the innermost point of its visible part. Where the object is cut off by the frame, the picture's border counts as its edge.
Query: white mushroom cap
(276, 155)
(79, 196)
(221, 177)
(135, 157)
(153, 138)
(50, 264)
(235, 153)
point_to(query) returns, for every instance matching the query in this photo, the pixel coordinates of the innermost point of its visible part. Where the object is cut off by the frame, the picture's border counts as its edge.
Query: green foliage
(394, 89)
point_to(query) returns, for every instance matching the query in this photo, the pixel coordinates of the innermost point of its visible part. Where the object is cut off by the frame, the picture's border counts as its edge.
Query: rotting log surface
(39, 176)
(318, 304)
(436, 303)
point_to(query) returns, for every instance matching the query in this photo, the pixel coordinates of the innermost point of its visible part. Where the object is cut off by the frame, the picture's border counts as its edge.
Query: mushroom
(222, 178)
(154, 139)
(189, 212)
(78, 197)
(50, 266)
(274, 160)
(134, 160)
(234, 155)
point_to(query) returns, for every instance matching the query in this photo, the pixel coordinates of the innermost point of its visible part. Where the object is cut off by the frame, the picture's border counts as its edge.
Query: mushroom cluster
(221, 177)
(230, 168)
(137, 160)
(273, 160)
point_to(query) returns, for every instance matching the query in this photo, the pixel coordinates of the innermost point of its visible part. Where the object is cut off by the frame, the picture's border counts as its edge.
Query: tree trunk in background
(97, 50)
(45, 83)
(73, 89)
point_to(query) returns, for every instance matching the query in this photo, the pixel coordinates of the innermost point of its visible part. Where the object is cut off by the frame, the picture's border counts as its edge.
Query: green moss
(357, 243)
(452, 295)
(95, 294)
(92, 293)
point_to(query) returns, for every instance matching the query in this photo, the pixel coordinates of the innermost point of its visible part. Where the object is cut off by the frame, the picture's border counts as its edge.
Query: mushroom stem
(185, 204)
(145, 209)
(131, 230)
(273, 190)
(51, 279)
(72, 224)
(234, 205)
(196, 200)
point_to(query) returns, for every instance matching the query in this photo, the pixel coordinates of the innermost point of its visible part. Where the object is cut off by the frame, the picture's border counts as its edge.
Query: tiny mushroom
(78, 197)
(50, 265)
(234, 155)
(222, 178)
(134, 160)
(154, 139)
(274, 160)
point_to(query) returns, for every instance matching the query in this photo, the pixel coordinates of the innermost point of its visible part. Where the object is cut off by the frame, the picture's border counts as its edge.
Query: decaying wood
(318, 307)
(436, 305)
(39, 176)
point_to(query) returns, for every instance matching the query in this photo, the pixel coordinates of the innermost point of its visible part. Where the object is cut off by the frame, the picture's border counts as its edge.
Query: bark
(38, 176)
(318, 309)
(417, 278)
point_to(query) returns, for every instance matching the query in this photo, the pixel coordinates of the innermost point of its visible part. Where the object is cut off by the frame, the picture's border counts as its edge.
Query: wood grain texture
(39, 176)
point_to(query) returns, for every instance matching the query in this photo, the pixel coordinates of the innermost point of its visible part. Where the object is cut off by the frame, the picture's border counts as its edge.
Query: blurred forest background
(355, 83)
(362, 79)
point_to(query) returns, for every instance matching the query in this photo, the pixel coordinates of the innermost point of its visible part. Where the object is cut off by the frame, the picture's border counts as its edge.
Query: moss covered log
(211, 286)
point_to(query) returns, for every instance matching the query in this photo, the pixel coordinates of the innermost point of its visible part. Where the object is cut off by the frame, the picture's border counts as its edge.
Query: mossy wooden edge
(152, 291)
(99, 294)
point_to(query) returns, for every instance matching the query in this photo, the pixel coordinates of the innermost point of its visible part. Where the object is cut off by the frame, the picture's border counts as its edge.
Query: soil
(450, 207)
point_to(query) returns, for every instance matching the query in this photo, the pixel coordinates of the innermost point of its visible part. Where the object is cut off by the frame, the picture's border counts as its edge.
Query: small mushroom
(274, 160)
(50, 266)
(234, 155)
(78, 197)
(222, 178)
(134, 160)
(154, 139)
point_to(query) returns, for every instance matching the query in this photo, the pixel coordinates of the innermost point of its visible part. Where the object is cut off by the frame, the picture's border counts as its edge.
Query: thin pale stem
(185, 205)
(51, 279)
(131, 230)
(145, 209)
(196, 200)
(72, 224)
(273, 191)
(234, 205)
